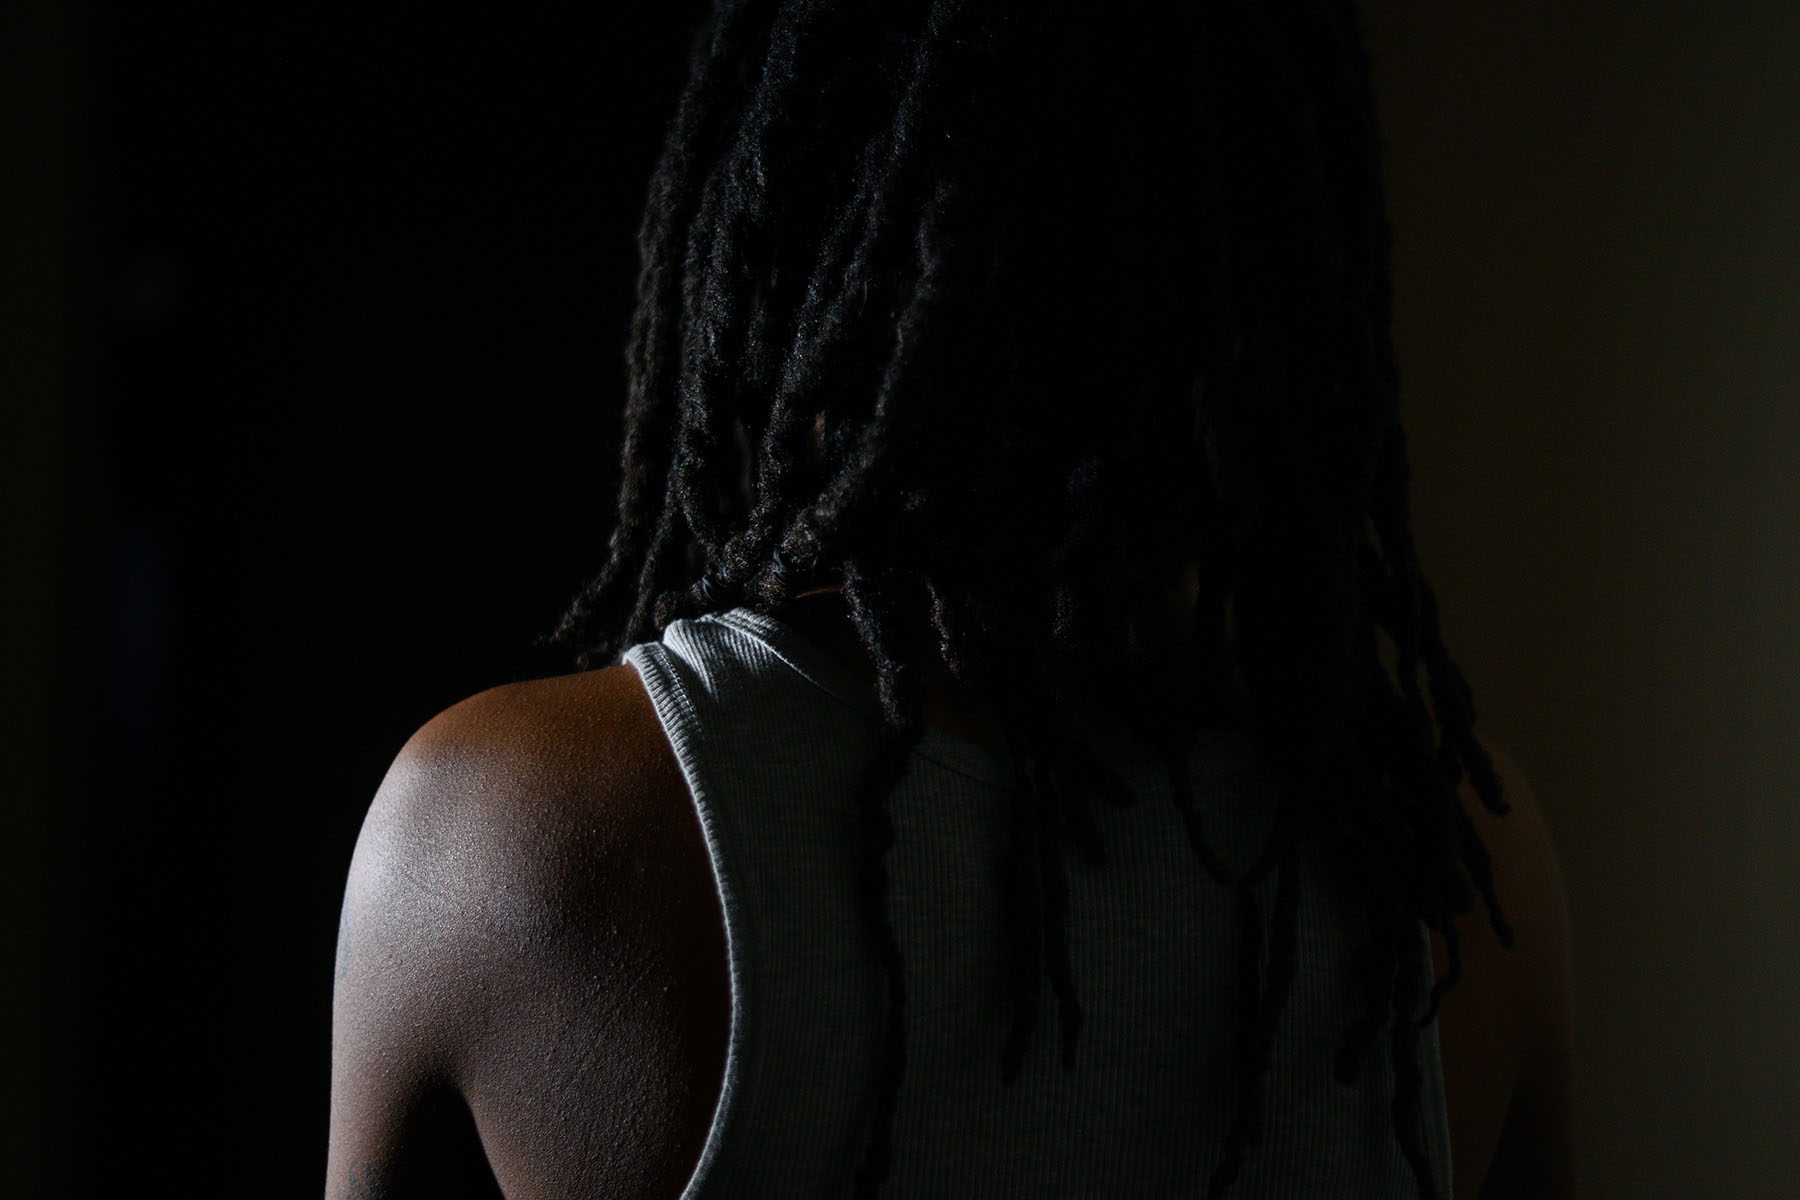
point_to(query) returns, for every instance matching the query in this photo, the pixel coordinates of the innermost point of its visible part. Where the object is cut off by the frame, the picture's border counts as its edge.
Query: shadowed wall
(1597, 214)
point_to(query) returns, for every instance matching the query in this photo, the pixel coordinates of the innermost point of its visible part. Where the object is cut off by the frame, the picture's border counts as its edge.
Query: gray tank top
(772, 736)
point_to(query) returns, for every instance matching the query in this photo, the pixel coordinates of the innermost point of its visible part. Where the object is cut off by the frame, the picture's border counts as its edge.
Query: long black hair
(999, 314)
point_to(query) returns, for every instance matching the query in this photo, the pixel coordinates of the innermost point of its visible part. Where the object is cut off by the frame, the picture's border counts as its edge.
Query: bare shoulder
(540, 738)
(1506, 1028)
(542, 811)
(527, 803)
(527, 916)
(1528, 880)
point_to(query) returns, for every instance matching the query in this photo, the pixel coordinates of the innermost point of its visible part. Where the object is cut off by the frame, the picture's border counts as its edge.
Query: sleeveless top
(772, 737)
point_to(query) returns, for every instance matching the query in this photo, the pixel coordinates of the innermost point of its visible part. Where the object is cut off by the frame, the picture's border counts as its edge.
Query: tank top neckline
(1218, 752)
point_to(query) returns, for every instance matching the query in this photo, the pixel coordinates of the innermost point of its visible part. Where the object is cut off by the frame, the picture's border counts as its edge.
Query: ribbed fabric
(772, 737)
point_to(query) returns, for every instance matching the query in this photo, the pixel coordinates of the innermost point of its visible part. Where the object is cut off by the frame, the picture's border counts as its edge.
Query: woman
(1025, 760)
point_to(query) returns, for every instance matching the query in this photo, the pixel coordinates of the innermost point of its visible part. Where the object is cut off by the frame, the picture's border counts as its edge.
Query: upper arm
(519, 958)
(1536, 1153)
(398, 1125)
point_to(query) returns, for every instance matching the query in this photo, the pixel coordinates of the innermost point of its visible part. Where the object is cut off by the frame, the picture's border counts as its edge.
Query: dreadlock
(1117, 294)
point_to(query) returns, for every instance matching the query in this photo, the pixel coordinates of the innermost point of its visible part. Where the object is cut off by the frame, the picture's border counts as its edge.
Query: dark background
(341, 295)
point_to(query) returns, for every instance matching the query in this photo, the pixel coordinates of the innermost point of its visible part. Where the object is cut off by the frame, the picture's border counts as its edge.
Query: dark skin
(533, 1000)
